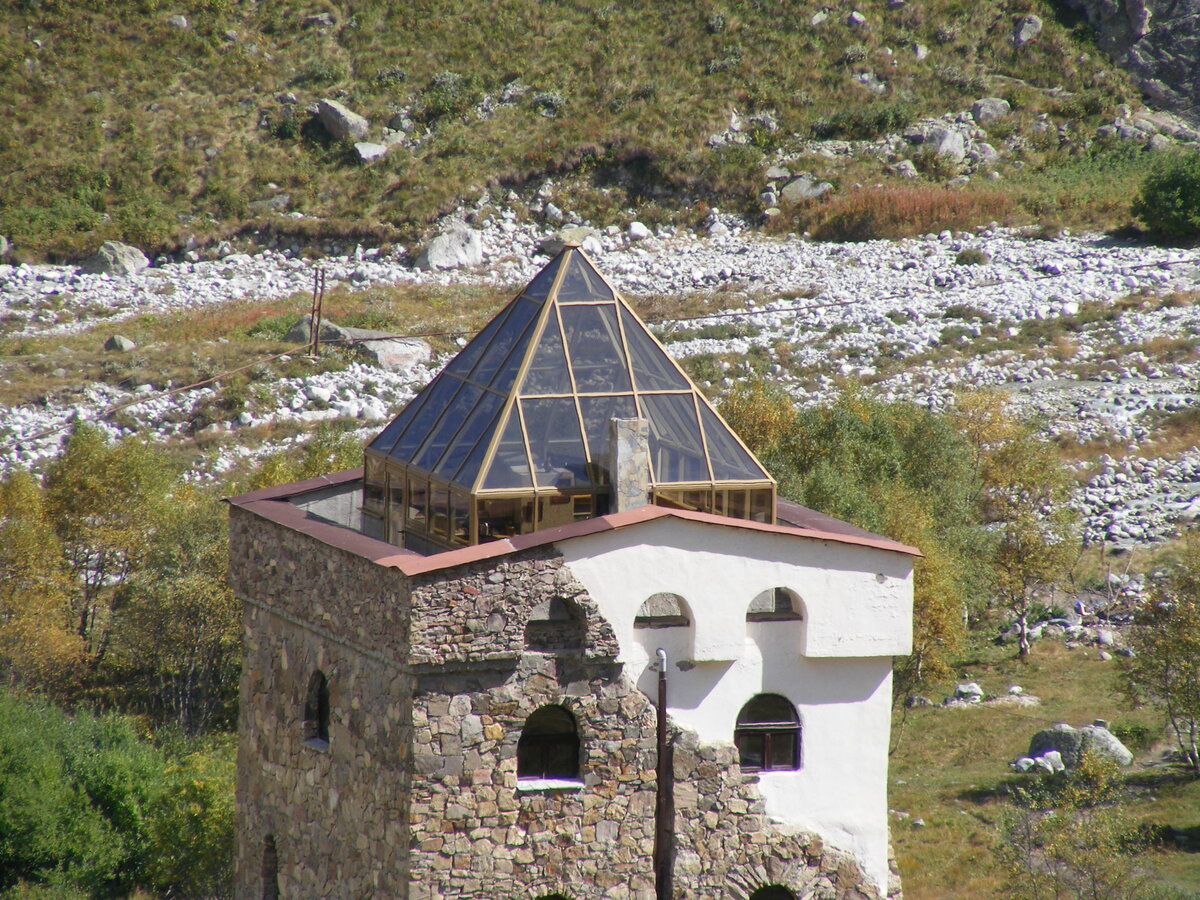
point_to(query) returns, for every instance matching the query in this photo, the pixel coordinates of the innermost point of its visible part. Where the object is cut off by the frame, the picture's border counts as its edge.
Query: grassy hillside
(120, 124)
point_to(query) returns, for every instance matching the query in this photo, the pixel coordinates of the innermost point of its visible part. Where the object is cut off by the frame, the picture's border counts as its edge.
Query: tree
(1169, 202)
(104, 500)
(1069, 838)
(180, 629)
(36, 643)
(1165, 668)
(1024, 492)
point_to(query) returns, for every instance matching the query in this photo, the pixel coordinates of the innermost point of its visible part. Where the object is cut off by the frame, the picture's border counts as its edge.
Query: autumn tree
(180, 628)
(1025, 499)
(1165, 668)
(104, 500)
(37, 647)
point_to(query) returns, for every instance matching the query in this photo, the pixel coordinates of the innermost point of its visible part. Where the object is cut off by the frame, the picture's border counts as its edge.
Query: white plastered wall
(834, 666)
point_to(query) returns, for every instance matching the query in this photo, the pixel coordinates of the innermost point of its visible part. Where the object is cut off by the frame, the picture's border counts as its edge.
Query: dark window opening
(316, 711)
(768, 734)
(549, 745)
(662, 611)
(555, 625)
(773, 892)
(270, 869)
(773, 605)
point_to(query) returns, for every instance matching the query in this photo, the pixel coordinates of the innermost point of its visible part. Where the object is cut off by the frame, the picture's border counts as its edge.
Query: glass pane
(450, 422)
(439, 515)
(469, 470)
(499, 519)
(460, 518)
(768, 709)
(760, 507)
(510, 467)
(783, 750)
(539, 288)
(440, 394)
(548, 371)
(396, 503)
(555, 442)
(467, 357)
(582, 283)
(505, 340)
(386, 438)
(418, 504)
(594, 345)
(479, 423)
(597, 412)
(730, 462)
(750, 750)
(653, 370)
(737, 504)
(676, 453)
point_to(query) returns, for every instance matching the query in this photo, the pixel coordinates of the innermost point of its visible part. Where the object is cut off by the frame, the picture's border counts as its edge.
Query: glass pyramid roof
(525, 405)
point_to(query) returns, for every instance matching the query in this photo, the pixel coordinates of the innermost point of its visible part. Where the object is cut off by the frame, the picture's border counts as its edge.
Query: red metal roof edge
(273, 504)
(296, 488)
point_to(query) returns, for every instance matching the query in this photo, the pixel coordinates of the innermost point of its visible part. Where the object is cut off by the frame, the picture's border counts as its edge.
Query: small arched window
(270, 869)
(662, 611)
(773, 892)
(549, 745)
(316, 711)
(768, 734)
(773, 605)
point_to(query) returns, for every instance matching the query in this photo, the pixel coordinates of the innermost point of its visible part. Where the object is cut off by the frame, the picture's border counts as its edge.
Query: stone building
(453, 656)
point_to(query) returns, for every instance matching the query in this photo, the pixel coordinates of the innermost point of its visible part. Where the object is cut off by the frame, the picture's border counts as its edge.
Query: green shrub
(1169, 203)
(447, 94)
(972, 256)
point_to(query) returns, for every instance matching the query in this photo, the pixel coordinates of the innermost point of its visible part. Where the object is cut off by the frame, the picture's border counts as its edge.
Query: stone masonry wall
(479, 834)
(417, 794)
(338, 814)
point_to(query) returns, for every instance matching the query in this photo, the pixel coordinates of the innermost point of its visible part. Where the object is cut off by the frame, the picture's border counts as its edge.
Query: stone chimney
(629, 463)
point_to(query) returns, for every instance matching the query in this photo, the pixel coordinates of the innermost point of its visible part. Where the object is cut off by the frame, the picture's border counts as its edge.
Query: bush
(447, 94)
(972, 256)
(1169, 204)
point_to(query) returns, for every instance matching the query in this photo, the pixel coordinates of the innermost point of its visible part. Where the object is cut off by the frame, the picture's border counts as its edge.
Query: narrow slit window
(316, 711)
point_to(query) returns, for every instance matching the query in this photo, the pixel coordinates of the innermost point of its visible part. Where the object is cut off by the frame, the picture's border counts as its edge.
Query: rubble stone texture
(430, 680)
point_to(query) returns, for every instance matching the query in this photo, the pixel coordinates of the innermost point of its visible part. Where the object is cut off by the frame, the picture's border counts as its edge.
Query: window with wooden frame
(768, 734)
(549, 746)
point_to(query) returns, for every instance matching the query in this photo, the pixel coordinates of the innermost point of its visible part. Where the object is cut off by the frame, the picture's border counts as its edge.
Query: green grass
(119, 126)
(951, 769)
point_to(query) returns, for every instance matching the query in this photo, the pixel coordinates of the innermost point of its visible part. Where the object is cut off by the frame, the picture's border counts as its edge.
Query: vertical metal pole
(317, 320)
(312, 315)
(664, 807)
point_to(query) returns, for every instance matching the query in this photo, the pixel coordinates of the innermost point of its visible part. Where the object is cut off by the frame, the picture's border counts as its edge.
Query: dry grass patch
(894, 211)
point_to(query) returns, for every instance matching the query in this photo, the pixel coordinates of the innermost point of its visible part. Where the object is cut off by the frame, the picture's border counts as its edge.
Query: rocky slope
(1095, 338)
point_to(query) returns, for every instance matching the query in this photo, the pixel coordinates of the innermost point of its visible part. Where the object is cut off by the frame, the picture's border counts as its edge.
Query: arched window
(662, 611)
(773, 605)
(549, 745)
(553, 625)
(270, 869)
(316, 711)
(773, 892)
(768, 734)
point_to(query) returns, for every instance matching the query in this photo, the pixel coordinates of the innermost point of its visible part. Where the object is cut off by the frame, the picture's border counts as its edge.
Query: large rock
(1026, 29)
(341, 122)
(989, 109)
(947, 142)
(384, 350)
(804, 188)
(114, 258)
(453, 249)
(367, 151)
(1072, 743)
